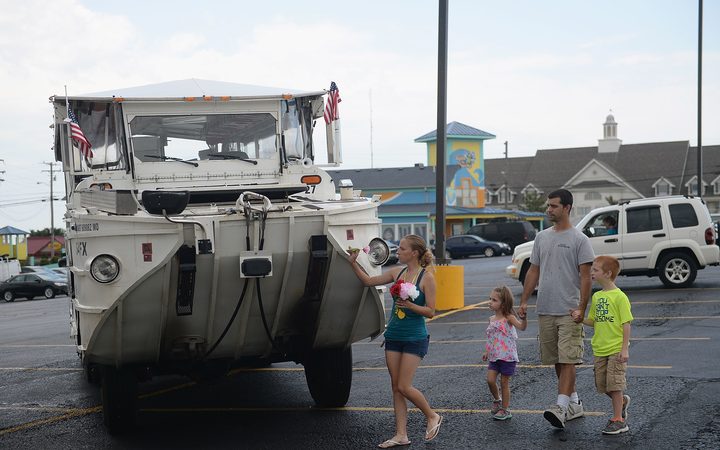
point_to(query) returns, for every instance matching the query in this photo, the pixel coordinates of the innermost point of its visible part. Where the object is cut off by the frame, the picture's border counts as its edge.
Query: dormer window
(716, 186)
(663, 187)
(692, 186)
(488, 197)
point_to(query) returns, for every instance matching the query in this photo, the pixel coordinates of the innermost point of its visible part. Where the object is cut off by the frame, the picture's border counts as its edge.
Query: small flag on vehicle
(331, 108)
(77, 135)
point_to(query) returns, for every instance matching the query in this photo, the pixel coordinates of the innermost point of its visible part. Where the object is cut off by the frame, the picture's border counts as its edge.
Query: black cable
(227, 327)
(262, 314)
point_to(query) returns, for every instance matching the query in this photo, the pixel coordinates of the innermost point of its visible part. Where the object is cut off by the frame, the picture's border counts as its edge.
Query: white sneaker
(574, 411)
(555, 415)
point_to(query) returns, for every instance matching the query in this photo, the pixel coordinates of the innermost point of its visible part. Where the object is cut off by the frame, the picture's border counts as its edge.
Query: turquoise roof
(459, 131)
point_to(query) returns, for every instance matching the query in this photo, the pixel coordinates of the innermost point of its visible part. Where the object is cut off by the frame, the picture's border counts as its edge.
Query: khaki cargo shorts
(561, 340)
(609, 374)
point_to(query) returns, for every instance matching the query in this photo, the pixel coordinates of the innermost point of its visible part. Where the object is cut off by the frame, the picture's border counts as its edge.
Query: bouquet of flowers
(365, 249)
(403, 290)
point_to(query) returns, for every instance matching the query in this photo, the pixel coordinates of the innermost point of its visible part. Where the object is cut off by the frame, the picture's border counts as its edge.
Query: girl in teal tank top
(406, 336)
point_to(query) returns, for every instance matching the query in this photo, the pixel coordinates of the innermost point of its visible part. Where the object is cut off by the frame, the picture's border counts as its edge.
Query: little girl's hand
(484, 357)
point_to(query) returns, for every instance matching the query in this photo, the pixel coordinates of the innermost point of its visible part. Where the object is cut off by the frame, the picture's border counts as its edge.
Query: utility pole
(505, 180)
(441, 133)
(699, 103)
(51, 165)
(371, 131)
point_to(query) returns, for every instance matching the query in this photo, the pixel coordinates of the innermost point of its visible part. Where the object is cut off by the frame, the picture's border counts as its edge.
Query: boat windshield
(169, 138)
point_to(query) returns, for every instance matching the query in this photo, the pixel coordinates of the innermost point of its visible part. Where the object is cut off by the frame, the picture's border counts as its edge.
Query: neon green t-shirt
(609, 310)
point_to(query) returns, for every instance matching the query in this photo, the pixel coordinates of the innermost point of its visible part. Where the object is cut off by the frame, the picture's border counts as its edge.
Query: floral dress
(501, 341)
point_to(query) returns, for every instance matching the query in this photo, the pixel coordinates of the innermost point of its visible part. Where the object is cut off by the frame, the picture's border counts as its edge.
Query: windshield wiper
(231, 156)
(172, 158)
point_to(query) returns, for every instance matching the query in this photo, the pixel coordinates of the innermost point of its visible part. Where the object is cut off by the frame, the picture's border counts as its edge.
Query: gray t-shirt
(559, 254)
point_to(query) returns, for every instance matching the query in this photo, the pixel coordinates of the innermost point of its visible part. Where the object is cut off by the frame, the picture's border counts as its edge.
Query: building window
(716, 186)
(592, 196)
(501, 195)
(582, 211)
(662, 189)
(692, 188)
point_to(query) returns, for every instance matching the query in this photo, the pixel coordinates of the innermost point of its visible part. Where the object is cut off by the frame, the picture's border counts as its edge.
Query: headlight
(379, 252)
(104, 268)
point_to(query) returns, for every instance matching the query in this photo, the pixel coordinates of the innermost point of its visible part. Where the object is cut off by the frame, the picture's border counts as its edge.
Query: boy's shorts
(609, 374)
(561, 340)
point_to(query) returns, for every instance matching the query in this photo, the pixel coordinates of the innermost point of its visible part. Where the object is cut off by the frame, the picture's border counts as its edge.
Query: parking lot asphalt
(45, 401)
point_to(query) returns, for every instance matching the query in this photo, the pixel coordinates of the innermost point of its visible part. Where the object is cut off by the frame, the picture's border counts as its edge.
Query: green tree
(533, 202)
(46, 232)
(611, 200)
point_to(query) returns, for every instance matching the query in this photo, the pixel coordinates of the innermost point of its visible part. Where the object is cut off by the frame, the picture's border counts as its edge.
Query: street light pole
(505, 181)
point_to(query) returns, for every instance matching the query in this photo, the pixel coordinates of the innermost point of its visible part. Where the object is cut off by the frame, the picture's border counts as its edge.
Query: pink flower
(408, 290)
(366, 249)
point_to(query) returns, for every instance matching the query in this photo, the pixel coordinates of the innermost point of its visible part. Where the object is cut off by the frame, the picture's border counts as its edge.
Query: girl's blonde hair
(425, 256)
(506, 300)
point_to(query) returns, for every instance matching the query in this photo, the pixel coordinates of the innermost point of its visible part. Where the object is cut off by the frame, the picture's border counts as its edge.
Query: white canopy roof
(193, 87)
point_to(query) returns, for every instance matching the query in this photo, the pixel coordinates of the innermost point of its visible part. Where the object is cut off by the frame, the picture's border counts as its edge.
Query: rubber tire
(677, 270)
(489, 252)
(49, 293)
(329, 376)
(119, 399)
(8, 296)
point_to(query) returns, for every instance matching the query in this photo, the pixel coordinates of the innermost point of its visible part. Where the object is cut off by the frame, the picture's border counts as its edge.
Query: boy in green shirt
(610, 316)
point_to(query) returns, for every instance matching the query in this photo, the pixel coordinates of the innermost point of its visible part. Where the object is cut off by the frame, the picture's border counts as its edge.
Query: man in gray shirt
(560, 268)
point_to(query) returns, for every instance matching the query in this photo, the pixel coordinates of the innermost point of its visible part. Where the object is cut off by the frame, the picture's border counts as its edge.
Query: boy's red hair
(609, 264)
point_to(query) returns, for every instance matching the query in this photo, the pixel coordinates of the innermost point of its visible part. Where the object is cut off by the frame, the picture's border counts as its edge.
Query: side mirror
(171, 202)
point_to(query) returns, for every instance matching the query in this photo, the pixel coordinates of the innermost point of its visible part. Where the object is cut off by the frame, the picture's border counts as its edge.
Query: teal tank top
(411, 327)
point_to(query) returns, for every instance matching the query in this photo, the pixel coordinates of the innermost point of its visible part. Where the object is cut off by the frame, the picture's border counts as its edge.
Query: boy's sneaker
(555, 415)
(496, 406)
(626, 403)
(574, 411)
(502, 414)
(615, 427)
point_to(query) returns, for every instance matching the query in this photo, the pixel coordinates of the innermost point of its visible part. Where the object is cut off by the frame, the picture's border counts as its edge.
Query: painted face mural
(465, 188)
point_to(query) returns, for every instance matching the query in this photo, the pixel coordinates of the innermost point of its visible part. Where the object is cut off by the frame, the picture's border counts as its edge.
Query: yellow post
(450, 287)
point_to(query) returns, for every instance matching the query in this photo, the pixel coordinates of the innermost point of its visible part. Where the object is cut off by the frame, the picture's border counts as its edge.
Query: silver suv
(669, 237)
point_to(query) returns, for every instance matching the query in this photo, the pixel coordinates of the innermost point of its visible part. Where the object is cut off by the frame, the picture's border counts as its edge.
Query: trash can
(450, 282)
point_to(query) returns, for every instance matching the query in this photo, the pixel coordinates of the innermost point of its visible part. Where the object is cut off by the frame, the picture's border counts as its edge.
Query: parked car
(61, 271)
(470, 245)
(668, 237)
(35, 269)
(511, 233)
(393, 259)
(32, 285)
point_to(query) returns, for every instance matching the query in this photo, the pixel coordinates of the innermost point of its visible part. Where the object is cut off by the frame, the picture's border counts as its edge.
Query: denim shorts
(419, 348)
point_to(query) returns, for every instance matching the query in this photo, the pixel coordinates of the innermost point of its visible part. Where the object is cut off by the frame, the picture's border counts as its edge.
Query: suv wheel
(677, 270)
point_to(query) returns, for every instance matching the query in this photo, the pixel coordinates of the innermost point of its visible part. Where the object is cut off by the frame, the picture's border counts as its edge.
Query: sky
(535, 74)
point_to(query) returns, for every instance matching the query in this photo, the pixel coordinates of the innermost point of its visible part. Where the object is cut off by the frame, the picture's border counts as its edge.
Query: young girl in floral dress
(501, 348)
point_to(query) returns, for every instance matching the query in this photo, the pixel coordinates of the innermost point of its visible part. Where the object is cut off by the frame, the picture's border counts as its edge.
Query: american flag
(331, 108)
(78, 136)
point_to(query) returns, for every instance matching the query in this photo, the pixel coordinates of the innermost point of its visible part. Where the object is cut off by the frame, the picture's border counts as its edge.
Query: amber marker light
(118, 99)
(225, 98)
(208, 98)
(189, 99)
(311, 179)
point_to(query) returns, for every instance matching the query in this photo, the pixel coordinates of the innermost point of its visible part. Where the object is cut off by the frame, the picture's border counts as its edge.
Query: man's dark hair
(566, 198)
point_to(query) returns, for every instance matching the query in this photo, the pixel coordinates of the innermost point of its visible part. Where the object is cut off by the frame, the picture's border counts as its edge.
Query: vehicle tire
(49, 293)
(677, 270)
(119, 398)
(329, 376)
(489, 252)
(8, 296)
